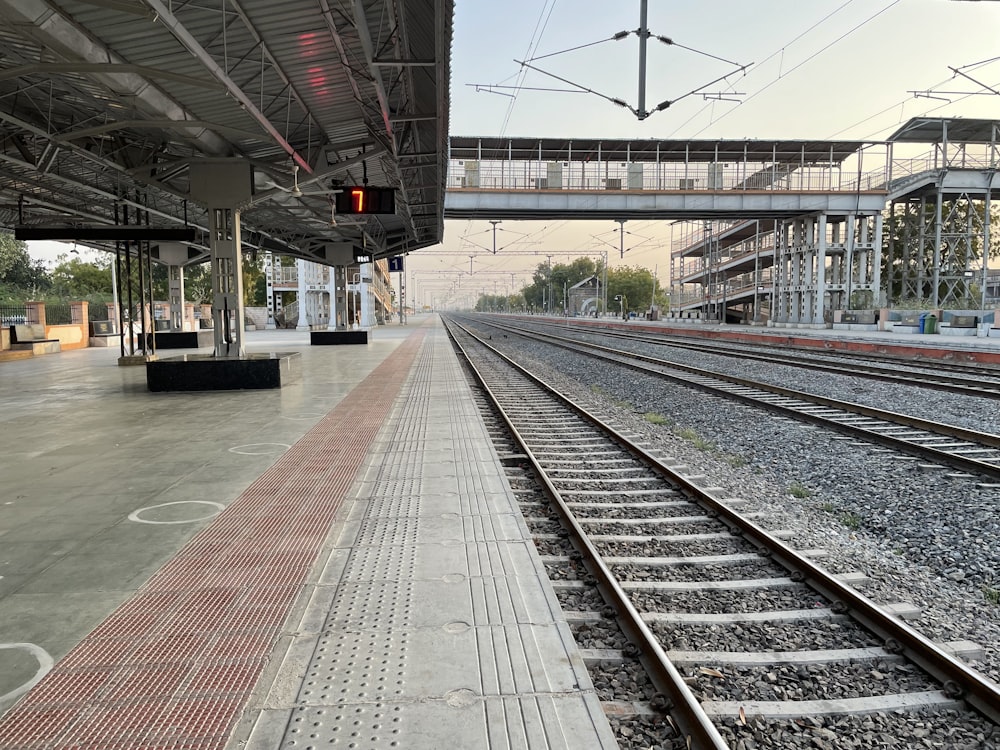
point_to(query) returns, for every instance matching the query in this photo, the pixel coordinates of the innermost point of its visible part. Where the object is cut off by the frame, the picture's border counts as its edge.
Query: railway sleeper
(902, 610)
(962, 649)
(853, 579)
(843, 706)
(614, 539)
(669, 521)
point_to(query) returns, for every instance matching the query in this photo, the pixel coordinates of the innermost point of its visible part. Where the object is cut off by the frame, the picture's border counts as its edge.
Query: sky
(817, 69)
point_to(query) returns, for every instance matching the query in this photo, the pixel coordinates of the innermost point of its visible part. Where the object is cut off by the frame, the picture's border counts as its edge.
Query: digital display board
(363, 199)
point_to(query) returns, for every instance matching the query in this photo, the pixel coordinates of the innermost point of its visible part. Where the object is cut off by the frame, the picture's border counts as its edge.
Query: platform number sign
(363, 199)
(396, 263)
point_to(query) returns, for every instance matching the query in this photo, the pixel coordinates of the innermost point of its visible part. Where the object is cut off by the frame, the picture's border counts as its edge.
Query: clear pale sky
(822, 69)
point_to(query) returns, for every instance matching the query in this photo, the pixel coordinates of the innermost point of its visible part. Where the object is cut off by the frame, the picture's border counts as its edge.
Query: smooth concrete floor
(102, 482)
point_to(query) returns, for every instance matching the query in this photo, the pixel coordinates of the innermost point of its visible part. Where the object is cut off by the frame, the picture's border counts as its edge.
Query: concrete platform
(340, 559)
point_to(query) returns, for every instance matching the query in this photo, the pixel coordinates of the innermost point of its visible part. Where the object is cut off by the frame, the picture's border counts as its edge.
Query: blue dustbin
(923, 321)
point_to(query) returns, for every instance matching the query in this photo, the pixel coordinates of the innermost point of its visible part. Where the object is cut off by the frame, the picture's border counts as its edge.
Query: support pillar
(300, 272)
(174, 255)
(331, 288)
(365, 295)
(225, 187)
(819, 280)
(175, 274)
(270, 263)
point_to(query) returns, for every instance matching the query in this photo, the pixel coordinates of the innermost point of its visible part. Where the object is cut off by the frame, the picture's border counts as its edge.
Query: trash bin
(930, 325)
(922, 322)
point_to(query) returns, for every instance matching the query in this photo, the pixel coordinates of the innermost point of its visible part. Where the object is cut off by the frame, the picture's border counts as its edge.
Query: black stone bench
(961, 325)
(865, 318)
(31, 337)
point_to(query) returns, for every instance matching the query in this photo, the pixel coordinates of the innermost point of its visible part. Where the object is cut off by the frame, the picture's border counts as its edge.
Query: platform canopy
(941, 129)
(104, 106)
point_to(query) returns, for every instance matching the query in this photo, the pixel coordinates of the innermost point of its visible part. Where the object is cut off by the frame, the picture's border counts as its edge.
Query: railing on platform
(665, 177)
(873, 168)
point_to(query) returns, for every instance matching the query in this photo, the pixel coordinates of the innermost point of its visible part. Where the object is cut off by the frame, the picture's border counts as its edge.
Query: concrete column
(300, 271)
(269, 264)
(331, 287)
(175, 276)
(224, 186)
(819, 290)
(79, 312)
(174, 255)
(365, 294)
(35, 312)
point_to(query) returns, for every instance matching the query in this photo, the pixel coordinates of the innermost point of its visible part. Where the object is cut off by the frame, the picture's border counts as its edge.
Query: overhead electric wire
(903, 102)
(808, 59)
(536, 38)
(617, 37)
(774, 54)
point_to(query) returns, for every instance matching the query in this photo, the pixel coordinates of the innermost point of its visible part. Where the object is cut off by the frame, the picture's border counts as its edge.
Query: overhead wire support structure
(644, 35)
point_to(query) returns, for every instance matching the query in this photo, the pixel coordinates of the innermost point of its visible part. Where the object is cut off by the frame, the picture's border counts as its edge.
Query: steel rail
(701, 732)
(635, 362)
(651, 334)
(958, 680)
(884, 373)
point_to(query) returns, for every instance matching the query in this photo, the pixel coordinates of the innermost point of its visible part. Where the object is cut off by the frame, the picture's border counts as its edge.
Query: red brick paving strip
(174, 666)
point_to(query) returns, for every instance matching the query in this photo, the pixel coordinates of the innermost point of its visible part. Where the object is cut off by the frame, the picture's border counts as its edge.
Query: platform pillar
(270, 261)
(331, 286)
(364, 295)
(300, 271)
(225, 187)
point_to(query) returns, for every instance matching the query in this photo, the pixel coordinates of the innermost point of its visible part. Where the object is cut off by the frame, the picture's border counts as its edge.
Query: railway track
(954, 377)
(733, 626)
(975, 453)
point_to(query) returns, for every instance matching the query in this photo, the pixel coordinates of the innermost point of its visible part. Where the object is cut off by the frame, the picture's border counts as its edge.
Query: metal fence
(58, 314)
(11, 315)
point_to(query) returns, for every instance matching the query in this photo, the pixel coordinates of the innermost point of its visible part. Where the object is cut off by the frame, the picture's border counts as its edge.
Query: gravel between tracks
(920, 536)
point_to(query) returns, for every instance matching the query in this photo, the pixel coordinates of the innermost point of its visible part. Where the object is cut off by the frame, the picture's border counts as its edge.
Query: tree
(254, 281)
(556, 279)
(77, 278)
(637, 284)
(198, 283)
(19, 274)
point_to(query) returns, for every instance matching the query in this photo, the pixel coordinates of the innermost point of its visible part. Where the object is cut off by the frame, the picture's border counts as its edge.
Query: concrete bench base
(47, 346)
(205, 372)
(336, 338)
(855, 326)
(105, 340)
(949, 331)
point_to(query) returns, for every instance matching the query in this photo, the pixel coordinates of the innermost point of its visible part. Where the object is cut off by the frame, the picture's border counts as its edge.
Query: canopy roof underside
(104, 107)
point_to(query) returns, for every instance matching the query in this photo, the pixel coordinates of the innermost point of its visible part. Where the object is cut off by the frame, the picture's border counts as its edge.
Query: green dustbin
(930, 324)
